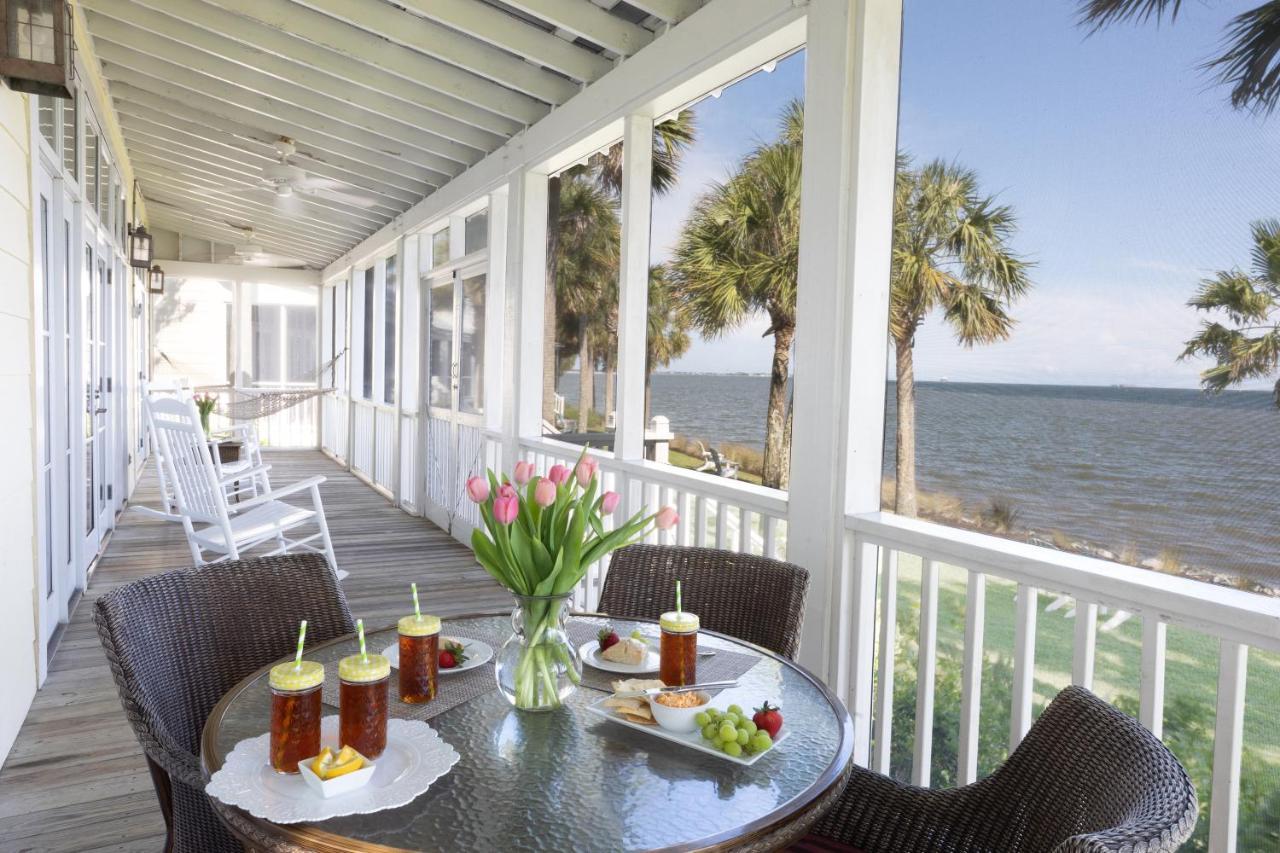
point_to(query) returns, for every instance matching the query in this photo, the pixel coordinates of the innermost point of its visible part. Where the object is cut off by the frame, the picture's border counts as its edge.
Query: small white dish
(679, 720)
(478, 654)
(590, 654)
(344, 784)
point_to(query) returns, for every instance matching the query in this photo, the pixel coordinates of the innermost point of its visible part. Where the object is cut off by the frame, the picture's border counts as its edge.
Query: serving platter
(478, 654)
(692, 740)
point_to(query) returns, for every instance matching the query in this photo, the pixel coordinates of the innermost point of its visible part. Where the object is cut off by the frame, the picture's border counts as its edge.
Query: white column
(495, 313)
(633, 285)
(530, 275)
(850, 134)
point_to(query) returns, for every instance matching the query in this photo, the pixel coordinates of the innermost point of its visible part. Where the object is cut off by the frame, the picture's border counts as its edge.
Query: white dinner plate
(415, 757)
(589, 652)
(478, 654)
(692, 740)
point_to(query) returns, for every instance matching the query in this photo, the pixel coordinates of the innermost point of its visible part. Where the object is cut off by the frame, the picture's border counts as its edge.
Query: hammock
(248, 404)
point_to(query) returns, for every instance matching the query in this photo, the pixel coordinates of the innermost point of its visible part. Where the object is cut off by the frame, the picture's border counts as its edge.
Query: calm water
(1144, 467)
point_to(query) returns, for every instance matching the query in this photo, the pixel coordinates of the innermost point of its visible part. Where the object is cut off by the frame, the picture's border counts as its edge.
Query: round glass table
(570, 780)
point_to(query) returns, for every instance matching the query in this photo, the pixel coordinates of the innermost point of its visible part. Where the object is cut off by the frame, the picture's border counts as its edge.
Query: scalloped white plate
(414, 758)
(478, 654)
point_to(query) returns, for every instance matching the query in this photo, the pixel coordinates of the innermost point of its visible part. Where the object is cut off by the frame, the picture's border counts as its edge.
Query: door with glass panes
(453, 391)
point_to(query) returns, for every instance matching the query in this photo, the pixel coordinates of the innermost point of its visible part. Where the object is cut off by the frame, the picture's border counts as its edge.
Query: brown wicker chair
(752, 598)
(1085, 779)
(177, 642)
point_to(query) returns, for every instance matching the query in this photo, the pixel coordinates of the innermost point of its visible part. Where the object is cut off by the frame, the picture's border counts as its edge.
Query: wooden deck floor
(76, 779)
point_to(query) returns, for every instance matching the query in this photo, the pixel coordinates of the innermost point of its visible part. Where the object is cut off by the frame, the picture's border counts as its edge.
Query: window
(266, 320)
(187, 321)
(476, 232)
(300, 333)
(390, 294)
(471, 346)
(284, 334)
(366, 340)
(70, 125)
(440, 247)
(721, 321)
(91, 167)
(47, 109)
(440, 346)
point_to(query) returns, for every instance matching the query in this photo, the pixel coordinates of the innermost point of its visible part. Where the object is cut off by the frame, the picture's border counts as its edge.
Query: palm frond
(1250, 62)
(1098, 14)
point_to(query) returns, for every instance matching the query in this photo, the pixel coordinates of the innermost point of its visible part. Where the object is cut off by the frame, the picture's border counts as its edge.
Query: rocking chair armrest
(246, 474)
(283, 491)
(155, 513)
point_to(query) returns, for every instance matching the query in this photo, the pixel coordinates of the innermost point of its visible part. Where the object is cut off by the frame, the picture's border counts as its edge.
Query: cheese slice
(626, 650)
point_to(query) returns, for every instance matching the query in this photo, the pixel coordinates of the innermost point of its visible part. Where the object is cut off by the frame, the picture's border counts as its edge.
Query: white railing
(408, 455)
(333, 432)
(715, 512)
(363, 442)
(384, 447)
(880, 547)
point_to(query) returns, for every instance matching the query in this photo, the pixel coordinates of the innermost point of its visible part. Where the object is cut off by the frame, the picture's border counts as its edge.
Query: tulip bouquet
(540, 535)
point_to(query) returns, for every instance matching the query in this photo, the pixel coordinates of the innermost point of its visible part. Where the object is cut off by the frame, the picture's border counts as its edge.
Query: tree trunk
(648, 397)
(775, 462)
(586, 377)
(905, 486)
(549, 302)
(610, 397)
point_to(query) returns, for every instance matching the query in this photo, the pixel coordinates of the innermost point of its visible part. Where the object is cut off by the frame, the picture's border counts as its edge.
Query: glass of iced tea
(295, 713)
(419, 658)
(679, 649)
(362, 703)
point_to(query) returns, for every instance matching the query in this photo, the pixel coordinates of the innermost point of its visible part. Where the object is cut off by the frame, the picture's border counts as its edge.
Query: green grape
(732, 748)
(743, 737)
(733, 718)
(749, 726)
(728, 731)
(761, 741)
(701, 718)
(714, 714)
(736, 709)
(710, 732)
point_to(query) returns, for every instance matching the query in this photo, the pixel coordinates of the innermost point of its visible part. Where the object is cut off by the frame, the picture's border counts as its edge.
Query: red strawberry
(607, 638)
(769, 718)
(447, 660)
(453, 654)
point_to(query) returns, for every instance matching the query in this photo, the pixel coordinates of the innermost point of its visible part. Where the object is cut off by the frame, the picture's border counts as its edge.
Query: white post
(530, 276)
(495, 318)
(633, 285)
(352, 275)
(398, 441)
(1228, 741)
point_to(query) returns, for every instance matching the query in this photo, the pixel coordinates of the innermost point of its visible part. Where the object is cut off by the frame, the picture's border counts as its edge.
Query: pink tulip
(478, 489)
(586, 470)
(506, 490)
(505, 509)
(667, 518)
(559, 474)
(609, 502)
(523, 472)
(544, 493)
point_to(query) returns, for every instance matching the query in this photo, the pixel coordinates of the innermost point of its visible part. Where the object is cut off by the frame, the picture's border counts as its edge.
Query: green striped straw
(678, 608)
(364, 655)
(302, 636)
(416, 610)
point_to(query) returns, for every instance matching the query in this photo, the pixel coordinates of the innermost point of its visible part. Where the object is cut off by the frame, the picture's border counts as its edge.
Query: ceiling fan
(288, 181)
(253, 254)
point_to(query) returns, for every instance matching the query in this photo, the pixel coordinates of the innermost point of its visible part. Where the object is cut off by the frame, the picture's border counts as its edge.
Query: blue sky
(1130, 174)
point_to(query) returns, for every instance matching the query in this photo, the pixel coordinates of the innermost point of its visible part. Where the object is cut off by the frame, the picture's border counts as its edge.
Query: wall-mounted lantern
(155, 280)
(37, 49)
(139, 247)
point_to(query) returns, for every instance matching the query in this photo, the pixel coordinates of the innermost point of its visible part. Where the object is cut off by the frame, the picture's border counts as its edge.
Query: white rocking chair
(200, 496)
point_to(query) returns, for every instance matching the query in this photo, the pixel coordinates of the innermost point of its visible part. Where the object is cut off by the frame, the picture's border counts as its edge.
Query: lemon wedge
(322, 763)
(347, 761)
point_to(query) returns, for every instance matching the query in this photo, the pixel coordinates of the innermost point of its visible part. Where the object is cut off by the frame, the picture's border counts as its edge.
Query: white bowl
(344, 784)
(678, 719)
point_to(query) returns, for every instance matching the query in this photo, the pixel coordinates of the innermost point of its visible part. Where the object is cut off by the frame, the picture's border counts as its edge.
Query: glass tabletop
(569, 780)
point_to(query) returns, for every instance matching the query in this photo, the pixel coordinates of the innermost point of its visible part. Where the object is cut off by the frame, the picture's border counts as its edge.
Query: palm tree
(950, 253)
(737, 258)
(668, 334)
(1248, 348)
(586, 271)
(1249, 62)
(670, 140)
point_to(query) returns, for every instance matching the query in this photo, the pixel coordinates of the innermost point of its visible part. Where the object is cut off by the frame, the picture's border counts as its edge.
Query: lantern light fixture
(155, 280)
(37, 49)
(139, 247)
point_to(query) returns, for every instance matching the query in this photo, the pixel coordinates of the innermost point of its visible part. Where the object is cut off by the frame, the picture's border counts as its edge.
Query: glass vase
(537, 667)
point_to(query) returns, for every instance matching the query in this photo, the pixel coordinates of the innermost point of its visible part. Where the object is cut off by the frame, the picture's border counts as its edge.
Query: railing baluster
(925, 672)
(722, 524)
(771, 537)
(700, 523)
(651, 493)
(859, 589)
(746, 524)
(1228, 737)
(1151, 704)
(1024, 663)
(888, 642)
(1086, 645)
(971, 678)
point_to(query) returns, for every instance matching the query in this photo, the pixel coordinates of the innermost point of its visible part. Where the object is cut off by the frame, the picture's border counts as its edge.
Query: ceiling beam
(199, 228)
(431, 39)
(161, 201)
(174, 132)
(588, 21)
(508, 32)
(358, 43)
(176, 41)
(180, 82)
(671, 11)
(131, 99)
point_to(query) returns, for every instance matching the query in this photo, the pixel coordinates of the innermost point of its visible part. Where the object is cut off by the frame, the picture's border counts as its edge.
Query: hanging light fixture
(139, 247)
(155, 280)
(36, 47)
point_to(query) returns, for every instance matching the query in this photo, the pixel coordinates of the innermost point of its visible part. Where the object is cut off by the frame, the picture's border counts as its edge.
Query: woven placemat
(722, 666)
(452, 689)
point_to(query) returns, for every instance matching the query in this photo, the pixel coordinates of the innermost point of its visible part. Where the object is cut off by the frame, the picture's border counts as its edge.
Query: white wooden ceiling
(389, 99)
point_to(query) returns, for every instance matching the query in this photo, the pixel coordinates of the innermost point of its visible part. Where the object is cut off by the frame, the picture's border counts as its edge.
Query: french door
(97, 304)
(453, 393)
